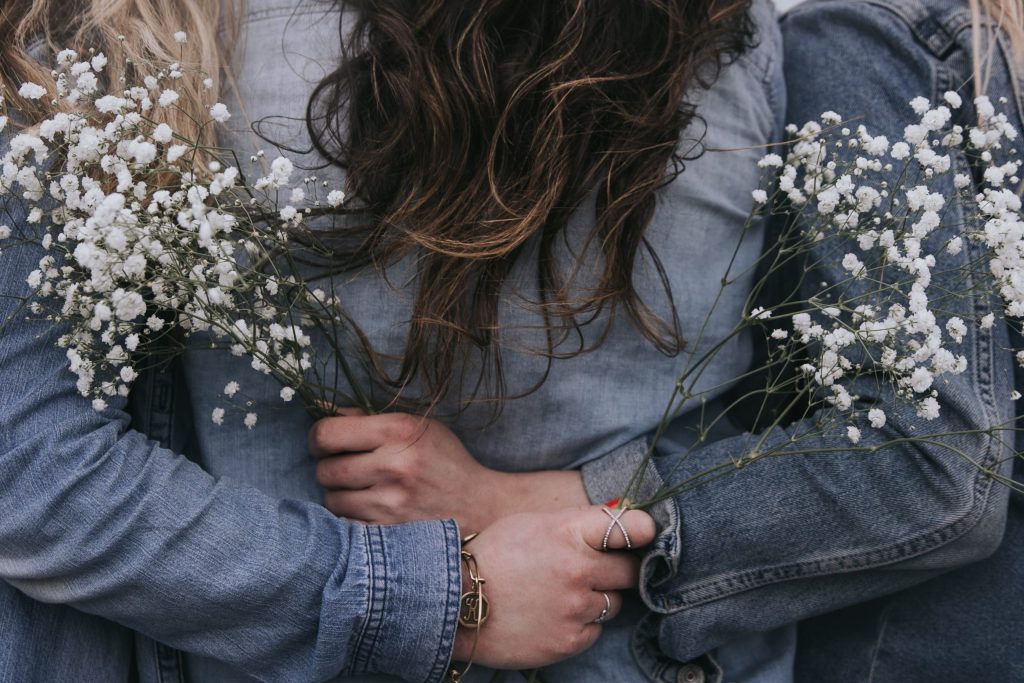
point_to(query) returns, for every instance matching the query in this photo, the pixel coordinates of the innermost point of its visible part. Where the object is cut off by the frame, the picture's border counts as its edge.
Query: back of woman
(568, 408)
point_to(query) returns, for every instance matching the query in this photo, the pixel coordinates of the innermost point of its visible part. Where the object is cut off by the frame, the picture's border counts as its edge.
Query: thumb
(597, 521)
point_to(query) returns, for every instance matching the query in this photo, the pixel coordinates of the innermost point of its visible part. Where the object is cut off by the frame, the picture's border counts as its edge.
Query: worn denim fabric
(101, 519)
(798, 536)
(966, 625)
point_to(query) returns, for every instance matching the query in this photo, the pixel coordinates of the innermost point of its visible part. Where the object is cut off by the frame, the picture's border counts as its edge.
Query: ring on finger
(603, 616)
(616, 522)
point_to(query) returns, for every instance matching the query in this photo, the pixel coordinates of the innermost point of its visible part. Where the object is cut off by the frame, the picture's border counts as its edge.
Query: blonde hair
(988, 18)
(132, 33)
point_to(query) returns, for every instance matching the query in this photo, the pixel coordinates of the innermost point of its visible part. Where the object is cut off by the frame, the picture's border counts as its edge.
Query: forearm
(98, 518)
(827, 524)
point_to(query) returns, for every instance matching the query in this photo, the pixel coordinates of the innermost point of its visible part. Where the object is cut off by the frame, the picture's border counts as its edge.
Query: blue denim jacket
(965, 625)
(842, 530)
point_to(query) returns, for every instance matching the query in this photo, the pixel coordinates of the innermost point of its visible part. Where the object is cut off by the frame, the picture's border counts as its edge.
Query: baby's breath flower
(336, 198)
(900, 151)
(853, 434)
(163, 134)
(219, 113)
(180, 37)
(31, 91)
(217, 416)
(231, 388)
(175, 152)
(956, 328)
(250, 420)
(167, 98)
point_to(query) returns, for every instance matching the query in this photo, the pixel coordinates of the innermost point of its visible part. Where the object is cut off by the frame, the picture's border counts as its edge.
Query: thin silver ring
(603, 617)
(611, 525)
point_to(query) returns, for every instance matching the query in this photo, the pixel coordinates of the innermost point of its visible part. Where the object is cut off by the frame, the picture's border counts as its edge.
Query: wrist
(467, 636)
(545, 491)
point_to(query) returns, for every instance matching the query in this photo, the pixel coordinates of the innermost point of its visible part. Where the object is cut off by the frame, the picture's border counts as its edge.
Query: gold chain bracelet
(473, 608)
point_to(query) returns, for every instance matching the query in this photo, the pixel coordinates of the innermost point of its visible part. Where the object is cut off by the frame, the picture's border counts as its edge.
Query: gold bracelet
(473, 608)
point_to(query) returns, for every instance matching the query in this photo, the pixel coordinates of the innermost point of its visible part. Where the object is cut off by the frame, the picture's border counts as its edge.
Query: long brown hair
(468, 129)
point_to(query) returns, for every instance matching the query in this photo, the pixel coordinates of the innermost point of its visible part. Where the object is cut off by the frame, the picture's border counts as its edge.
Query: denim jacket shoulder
(800, 536)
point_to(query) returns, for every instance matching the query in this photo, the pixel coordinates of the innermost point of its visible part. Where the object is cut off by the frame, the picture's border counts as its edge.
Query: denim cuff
(414, 587)
(606, 479)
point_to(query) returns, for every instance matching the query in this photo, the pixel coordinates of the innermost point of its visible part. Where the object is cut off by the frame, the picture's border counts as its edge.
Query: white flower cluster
(142, 244)
(882, 314)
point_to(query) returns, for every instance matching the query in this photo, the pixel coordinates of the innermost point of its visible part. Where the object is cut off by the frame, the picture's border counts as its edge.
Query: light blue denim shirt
(253, 582)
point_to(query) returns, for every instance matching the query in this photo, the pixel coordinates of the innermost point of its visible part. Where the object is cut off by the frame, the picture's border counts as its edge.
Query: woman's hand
(395, 467)
(544, 577)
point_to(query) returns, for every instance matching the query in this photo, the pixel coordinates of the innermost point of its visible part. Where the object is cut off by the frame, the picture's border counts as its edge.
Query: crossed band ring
(603, 616)
(616, 517)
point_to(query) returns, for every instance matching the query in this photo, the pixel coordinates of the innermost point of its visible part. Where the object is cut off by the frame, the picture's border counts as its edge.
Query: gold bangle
(473, 608)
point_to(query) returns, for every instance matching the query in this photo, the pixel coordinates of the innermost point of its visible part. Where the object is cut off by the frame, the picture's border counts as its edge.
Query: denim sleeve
(795, 536)
(99, 518)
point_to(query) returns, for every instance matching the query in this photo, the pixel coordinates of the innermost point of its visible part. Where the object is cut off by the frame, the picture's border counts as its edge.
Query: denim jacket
(965, 625)
(248, 577)
(800, 536)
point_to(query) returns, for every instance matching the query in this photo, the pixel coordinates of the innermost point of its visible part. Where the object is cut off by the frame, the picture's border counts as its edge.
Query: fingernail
(612, 503)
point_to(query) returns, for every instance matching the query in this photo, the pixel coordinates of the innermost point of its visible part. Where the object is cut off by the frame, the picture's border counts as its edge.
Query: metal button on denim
(690, 673)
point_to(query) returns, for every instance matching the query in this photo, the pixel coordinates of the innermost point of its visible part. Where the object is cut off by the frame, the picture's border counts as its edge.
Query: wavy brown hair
(468, 129)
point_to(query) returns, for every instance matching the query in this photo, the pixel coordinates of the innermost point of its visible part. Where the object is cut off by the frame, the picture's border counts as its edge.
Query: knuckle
(578, 604)
(325, 473)
(333, 502)
(573, 573)
(319, 434)
(405, 467)
(398, 427)
(393, 500)
(576, 641)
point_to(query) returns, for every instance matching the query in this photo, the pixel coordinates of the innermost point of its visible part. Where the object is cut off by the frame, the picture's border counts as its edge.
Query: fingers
(614, 571)
(367, 505)
(598, 525)
(356, 432)
(356, 471)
